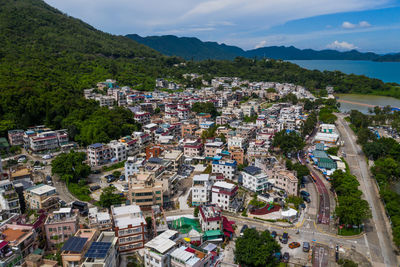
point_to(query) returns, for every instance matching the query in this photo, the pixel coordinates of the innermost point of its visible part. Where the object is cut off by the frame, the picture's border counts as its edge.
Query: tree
(108, 198)
(352, 210)
(333, 150)
(196, 212)
(256, 249)
(205, 107)
(116, 174)
(301, 170)
(157, 110)
(70, 166)
(288, 142)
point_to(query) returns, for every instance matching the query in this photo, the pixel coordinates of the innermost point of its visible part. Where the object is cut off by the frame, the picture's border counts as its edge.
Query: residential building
(16, 137)
(43, 141)
(210, 217)
(41, 197)
(9, 200)
(154, 151)
(190, 257)
(129, 227)
(225, 167)
(254, 179)
(99, 154)
(103, 252)
(287, 181)
(201, 189)
(100, 220)
(188, 129)
(236, 141)
(21, 239)
(132, 166)
(73, 251)
(193, 148)
(222, 194)
(142, 117)
(157, 251)
(145, 191)
(175, 157)
(212, 148)
(60, 225)
(118, 150)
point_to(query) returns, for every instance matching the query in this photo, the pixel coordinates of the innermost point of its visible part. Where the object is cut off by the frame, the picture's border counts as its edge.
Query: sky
(365, 25)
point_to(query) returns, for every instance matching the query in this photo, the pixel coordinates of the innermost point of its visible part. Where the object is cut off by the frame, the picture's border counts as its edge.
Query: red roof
(3, 244)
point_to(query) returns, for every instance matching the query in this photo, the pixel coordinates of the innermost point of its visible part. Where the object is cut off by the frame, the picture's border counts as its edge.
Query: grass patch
(80, 192)
(114, 166)
(349, 231)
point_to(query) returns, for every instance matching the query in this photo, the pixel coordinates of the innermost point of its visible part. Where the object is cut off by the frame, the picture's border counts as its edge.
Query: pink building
(60, 226)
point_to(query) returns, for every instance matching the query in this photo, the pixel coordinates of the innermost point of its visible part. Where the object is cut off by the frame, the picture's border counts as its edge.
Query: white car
(38, 168)
(47, 156)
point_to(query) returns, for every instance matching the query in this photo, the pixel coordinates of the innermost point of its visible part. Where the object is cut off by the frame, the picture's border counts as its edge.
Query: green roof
(327, 163)
(319, 146)
(320, 154)
(3, 143)
(184, 225)
(213, 233)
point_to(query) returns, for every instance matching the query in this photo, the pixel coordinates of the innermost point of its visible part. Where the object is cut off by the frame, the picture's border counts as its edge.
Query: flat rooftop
(41, 189)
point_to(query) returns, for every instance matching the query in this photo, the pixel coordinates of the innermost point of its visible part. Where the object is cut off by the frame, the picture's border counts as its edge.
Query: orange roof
(13, 234)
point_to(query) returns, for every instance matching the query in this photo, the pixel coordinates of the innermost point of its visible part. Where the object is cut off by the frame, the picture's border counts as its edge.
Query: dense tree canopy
(70, 166)
(205, 107)
(256, 249)
(109, 198)
(288, 142)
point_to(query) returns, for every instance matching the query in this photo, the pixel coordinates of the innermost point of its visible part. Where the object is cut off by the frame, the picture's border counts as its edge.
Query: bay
(385, 71)
(363, 103)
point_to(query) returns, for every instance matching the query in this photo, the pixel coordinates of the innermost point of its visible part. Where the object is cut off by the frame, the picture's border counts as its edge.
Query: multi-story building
(16, 137)
(21, 239)
(175, 157)
(183, 113)
(99, 154)
(193, 148)
(210, 217)
(190, 257)
(236, 141)
(43, 141)
(212, 148)
(99, 220)
(145, 191)
(287, 181)
(225, 167)
(142, 117)
(222, 194)
(60, 226)
(132, 166)
(105, 101)
(9, 200)
(201, 189)
(237, 154)
(73, 251)
(254, 179)
(118, 150)
(129, 227)
(188, 129)
(103, 252)
(157, 251)
(41, 197)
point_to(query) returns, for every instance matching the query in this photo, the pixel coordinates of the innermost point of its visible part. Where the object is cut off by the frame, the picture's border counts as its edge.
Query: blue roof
(96, 145)
(98, 250)
(155, 160)
(252, 170)
(217, 158)
(74, 244)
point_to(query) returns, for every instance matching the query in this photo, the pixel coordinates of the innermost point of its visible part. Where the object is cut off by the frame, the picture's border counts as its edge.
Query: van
(243, 229)
(306, 246)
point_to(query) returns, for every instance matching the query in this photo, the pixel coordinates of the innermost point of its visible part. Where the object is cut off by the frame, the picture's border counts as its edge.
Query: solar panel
(98, 250)
(74, 244)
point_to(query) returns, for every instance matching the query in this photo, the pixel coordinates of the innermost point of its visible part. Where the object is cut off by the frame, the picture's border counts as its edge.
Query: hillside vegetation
(47, 58)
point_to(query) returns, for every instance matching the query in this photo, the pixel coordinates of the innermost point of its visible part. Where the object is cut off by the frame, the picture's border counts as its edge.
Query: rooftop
(41, 189)
(163, 242)
(225, 185)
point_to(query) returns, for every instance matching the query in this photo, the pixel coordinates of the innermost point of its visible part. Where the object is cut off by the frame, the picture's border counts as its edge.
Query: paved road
(378, 233)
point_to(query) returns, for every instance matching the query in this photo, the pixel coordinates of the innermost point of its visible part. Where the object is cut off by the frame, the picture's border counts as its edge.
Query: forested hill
(193, 48)
(47, 58)
(188, 47)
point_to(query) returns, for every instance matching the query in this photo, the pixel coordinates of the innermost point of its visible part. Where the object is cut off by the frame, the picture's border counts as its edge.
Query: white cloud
(361, 24)
(261, 44)
(341, 45)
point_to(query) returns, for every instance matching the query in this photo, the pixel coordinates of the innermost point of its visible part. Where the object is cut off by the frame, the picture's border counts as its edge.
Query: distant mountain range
(193, 48)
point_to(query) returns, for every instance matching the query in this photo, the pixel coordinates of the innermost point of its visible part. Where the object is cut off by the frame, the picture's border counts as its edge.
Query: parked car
(48, 180)
(94, 188)
(96, 171)
(285, 237)
(304, 193)
(47, 156)
(22, 158)
(122, 178)
(273, 234)
(302, 205)
(110, 178)
(38, 168)
(307, 199)
(294, 245)
(285, 257)
(306, 246)
(243, 229)
(62, 203)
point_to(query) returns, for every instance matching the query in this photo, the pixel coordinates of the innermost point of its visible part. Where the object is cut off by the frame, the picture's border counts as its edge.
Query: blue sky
(365, 25)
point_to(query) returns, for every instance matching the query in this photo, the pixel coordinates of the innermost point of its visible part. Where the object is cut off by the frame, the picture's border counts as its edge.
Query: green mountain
(193, 48)
(188, 47)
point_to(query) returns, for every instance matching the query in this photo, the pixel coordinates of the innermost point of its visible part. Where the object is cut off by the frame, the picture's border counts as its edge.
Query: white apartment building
(254, 179)
(130, 227)
(222, 193)
(105, 101)
(286, 181)
(132, 166)
(237, 141)
(157, 251)
(103, 252)
(201, 189)
(98, 154)
(142, 117)
(118, 150)
(210, 217)
(248, 110)
(226, 167)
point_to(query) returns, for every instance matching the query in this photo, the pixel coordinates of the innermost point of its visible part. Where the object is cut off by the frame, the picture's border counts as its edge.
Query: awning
(3, 244)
